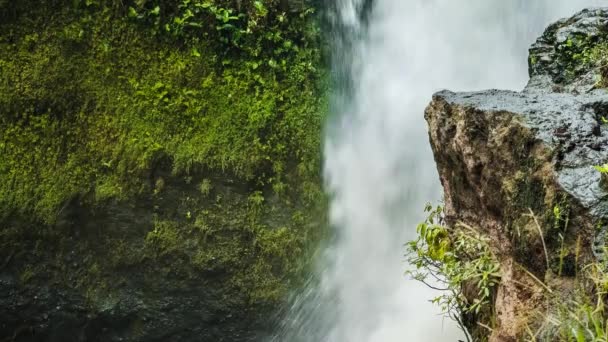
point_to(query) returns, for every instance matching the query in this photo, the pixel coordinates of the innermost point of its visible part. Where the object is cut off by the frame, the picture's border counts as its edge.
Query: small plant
(448, 260)
(164, 238)
(205, 187)
(159, 185)
(561, 220)
(603, 169)
(533, 60)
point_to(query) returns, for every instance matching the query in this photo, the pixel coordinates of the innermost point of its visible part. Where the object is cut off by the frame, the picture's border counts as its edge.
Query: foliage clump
(460, 264)
(457, 262)
(580, 54)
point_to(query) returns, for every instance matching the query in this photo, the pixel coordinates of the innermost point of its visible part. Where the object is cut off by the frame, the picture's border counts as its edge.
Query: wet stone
(504, 154)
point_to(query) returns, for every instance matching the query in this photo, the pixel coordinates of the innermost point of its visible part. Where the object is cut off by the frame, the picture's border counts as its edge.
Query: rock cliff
(159, 167)
(519, 168)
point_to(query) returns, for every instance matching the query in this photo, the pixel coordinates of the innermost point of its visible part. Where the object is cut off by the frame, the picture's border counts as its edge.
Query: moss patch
(93, 103)
(139, 141)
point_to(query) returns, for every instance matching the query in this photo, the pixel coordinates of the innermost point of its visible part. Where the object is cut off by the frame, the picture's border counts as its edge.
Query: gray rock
(508, 159)
(567, 124)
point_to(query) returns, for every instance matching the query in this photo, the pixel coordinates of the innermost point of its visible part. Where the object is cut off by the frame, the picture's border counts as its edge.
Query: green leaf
(132, 13)
(601, 168)
(260, 8)
(569, 43)
(579, 333)
(225, 27)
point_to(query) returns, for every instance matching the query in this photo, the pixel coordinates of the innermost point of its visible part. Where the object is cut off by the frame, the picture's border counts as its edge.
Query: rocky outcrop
(519, 166)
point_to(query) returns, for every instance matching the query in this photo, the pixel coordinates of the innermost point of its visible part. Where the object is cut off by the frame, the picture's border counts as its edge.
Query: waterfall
(379, 169)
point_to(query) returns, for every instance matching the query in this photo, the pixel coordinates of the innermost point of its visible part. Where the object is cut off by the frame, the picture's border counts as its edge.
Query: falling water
(379, 169)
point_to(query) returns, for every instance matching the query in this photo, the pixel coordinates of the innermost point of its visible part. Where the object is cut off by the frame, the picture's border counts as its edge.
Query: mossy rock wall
(159, 177)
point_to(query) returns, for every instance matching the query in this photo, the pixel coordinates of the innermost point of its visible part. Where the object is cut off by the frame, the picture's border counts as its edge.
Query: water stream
(378, 165)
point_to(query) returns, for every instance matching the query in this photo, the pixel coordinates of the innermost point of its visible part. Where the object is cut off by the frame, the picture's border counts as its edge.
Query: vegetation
(576, 56)
(456, 260)
(452, 261)
(540, 278)
(97, 100)
(603, 170)
(579, 318)
(599, 59)
(117, 103)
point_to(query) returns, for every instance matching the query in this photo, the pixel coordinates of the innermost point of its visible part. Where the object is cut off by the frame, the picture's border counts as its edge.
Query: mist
(379, 169)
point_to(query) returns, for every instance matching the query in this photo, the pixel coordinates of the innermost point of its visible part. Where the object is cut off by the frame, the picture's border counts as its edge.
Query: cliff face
(159, 167)
(519, 168)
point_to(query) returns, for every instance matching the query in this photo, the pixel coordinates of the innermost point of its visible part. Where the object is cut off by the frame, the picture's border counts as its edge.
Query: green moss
(533, 59)
(216, 134)
(205, 187)
(164, 238)
(581, 53)
(530, 194)
(270, 246)
(96, 109)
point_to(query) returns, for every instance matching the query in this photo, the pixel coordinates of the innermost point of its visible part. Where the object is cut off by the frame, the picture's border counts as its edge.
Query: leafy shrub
(449, 261)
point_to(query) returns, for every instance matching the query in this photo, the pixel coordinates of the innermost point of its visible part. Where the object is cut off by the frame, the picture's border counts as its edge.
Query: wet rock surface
(506, 158)
(569, 125)
(96, 276)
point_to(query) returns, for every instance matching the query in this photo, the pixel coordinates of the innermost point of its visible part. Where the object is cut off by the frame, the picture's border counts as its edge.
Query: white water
(378, 163)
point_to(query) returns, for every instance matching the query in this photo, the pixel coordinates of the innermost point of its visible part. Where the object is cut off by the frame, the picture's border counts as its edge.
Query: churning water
(379, 168)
